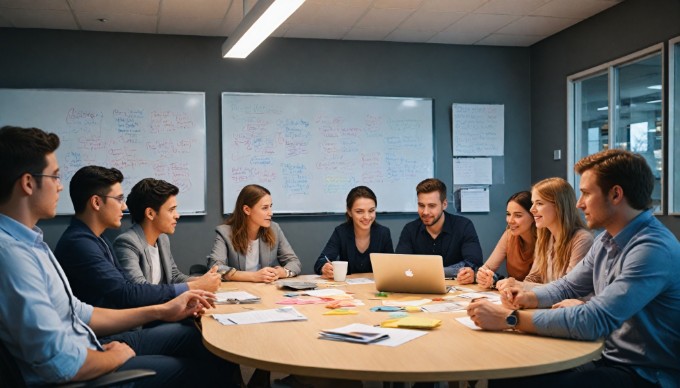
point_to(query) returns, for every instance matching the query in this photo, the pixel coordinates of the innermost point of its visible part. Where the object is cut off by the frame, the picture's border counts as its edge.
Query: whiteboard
(310, 150)
(477, 129)
(143, 134)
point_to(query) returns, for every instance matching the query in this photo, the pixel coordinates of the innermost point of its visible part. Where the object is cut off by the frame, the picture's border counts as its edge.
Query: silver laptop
(415, 274)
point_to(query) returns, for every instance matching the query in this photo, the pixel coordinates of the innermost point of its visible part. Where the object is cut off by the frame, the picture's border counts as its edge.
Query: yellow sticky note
(341, 312)
(418, 323)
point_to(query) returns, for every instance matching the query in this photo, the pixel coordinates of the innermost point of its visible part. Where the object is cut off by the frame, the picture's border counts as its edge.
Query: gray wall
(461, 74)
(623, 29)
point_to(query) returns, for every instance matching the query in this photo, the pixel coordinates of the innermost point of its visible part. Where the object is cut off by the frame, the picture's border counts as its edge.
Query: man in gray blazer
(144, 250)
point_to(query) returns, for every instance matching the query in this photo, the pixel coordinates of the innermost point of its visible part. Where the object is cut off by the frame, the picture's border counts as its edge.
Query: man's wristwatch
(289, 273)
(512, 320)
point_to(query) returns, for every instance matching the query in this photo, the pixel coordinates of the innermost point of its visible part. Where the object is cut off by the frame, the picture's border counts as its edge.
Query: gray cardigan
(132, 252)
(224, 253)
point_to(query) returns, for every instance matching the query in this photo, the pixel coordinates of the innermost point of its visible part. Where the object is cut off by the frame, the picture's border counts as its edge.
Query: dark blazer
(132, 252)
(96, 277)
(342, 246)
(282, 254)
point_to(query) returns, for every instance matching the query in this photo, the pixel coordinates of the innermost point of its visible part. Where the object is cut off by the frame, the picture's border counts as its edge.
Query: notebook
(416, 274)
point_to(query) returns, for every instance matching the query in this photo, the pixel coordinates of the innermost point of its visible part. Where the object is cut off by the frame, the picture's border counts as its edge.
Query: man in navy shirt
(438, 232)
(86, 256)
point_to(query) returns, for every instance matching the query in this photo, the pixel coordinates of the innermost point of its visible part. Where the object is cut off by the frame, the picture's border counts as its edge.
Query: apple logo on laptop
(408, 273)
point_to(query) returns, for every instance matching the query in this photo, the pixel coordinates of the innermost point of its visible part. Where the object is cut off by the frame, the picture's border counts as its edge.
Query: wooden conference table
(449, 352)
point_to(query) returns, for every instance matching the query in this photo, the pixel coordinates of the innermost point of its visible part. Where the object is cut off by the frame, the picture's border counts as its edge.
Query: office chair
(197, 270)
(11, 377)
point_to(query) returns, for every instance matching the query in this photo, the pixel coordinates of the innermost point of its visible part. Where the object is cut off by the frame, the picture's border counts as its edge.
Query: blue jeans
(176, 352)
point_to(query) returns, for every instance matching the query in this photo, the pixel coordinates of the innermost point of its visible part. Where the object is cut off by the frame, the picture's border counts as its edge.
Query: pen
(326, 257)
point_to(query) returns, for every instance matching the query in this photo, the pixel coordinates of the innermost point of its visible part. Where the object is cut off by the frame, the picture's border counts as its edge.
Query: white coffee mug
(339, 271)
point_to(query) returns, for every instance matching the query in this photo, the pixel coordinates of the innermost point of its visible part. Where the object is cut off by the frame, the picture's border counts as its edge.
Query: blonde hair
(561, 194)
(249, 196)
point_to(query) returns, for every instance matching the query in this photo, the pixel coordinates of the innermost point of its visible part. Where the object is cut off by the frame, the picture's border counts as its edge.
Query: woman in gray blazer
(250, 247)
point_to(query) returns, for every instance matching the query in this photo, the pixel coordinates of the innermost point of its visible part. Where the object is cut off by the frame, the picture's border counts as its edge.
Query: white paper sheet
(260, 316)
(397, 336)
(468, 322)
(324, 292)
(472, 171)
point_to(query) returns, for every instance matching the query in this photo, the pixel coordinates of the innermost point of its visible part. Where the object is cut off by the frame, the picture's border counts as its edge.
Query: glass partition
(638, 114)
(620, 104)
(674, 128)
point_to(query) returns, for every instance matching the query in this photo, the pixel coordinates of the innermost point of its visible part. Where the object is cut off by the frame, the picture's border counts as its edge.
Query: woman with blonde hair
(249, 246)
(562, 238)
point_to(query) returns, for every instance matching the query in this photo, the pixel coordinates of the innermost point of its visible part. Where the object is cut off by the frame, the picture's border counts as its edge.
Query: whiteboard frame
(227, 210)
(204, 123)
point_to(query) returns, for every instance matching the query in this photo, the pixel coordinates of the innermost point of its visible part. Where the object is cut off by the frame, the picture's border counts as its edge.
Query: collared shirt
(636, 304)
(41, 323)
(96, 275)
(457, 243)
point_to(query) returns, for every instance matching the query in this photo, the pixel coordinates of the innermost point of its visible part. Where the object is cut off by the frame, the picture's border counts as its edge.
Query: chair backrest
(9, 370)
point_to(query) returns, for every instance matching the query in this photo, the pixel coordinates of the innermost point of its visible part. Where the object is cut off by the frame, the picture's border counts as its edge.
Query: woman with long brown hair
(249, 246)
(516, 245)
(562, 237)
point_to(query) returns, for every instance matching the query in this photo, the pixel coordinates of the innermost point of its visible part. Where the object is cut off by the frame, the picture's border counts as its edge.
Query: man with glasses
(49, 332)
(86, 255)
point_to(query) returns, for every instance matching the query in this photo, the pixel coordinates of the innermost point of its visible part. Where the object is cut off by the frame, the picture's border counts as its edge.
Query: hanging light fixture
(263, 19)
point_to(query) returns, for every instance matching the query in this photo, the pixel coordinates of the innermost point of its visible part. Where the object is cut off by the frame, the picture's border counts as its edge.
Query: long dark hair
(249, 196)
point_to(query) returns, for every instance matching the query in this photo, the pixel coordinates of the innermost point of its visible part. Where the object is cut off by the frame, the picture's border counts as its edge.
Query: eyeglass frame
(121, 198)
(57, 178)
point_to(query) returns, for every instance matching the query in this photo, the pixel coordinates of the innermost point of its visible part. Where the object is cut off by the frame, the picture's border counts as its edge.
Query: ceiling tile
(452, 5)
(406, 35)
(510, 40)
(457, 38)
(315, 32)
(362, 33)
(52, 19)
(35, 4)
(117, 22)
(190, 26)
(388, 18)
(322, 15)
(205, 9)
(511, 7)
(142, 7)
(430, 20)
(577, 9)
(537, 25)
(405, 4)
(484, 24)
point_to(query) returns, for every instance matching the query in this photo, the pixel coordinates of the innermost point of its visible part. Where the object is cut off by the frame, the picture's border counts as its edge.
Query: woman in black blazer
(354, 240)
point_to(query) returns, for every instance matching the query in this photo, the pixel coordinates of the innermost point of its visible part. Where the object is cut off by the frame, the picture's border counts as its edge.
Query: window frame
(673, 87)
(610, 69)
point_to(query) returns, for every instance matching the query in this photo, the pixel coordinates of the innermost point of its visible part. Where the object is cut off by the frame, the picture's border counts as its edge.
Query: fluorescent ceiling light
(265, 17)
(655, 87)
(654, 102)
(603, 108)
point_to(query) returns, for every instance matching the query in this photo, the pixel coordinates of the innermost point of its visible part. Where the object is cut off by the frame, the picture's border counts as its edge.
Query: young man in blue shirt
(438, 232)
(51, 334)
(632, 270)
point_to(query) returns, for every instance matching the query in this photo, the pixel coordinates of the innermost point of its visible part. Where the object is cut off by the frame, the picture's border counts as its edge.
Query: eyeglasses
(57, 178)
(120, 198)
